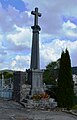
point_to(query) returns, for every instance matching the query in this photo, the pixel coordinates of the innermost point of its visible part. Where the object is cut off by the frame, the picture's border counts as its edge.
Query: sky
(58, 31)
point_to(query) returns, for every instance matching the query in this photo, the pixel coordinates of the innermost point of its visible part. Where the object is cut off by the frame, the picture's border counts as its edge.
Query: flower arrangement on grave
(40, 96)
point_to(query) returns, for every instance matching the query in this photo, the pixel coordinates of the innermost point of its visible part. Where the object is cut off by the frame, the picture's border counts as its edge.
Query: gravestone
(35, 75)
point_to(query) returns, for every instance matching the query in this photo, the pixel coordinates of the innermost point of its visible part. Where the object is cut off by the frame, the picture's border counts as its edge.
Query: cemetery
(27, 87)
(31, 93)
(38, 60)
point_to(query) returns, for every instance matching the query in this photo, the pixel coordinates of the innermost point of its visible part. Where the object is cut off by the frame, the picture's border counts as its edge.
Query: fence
(6, 94)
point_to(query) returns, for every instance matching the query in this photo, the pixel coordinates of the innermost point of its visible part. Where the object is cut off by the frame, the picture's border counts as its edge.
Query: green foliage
(8, 75)
(50, 75)
(75, 100)
(65, 93)
(74, 107)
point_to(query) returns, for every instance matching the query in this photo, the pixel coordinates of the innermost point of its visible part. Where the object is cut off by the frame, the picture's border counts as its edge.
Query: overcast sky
(58, 31)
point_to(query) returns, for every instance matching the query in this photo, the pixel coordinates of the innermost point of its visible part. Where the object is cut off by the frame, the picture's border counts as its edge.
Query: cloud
(70, 29)
(51, 20)
(18, 4)
(69, 25)
(15, 49)
(2, 51)
(52, 51)
(52, 12)
(59, 30)
(17, 42)
(74, 57)
(17, 62)
(11, 17)
(21, 38)
(20, 62)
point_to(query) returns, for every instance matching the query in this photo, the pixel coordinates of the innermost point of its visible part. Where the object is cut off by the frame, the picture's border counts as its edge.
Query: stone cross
(36, 16)
(35, 75)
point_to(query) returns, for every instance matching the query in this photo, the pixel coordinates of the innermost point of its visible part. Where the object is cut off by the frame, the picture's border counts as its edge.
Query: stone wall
(19, 80)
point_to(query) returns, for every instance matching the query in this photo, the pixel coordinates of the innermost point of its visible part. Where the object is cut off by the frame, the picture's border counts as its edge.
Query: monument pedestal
(36, 80)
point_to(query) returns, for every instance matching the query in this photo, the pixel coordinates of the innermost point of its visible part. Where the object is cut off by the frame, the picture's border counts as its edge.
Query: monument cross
(35, 63)
(35, 75)
(36, 16)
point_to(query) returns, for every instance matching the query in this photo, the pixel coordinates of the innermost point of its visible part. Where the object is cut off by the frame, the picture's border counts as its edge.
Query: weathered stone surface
(19, 80)
(37, 82)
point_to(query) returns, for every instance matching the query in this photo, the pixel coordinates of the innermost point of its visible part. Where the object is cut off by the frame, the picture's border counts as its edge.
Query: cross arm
(34, 13)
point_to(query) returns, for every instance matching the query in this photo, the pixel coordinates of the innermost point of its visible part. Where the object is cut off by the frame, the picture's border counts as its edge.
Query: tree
(65, 91)
(8, 76)
(50, 74)
(49, 77)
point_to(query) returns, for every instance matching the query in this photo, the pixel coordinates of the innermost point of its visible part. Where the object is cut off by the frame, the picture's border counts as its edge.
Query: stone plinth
(37, 81)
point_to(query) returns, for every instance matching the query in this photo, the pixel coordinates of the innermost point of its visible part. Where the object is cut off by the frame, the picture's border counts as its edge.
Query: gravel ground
(10, 110)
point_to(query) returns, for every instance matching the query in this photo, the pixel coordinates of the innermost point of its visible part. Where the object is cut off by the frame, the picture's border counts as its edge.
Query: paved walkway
(10, 110)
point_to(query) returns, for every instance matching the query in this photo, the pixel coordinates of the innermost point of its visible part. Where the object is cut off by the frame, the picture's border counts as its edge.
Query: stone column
(35, 64)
